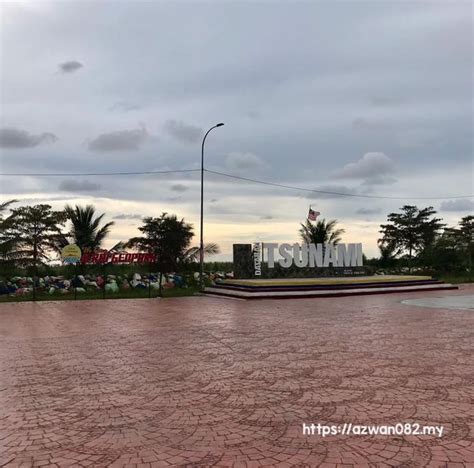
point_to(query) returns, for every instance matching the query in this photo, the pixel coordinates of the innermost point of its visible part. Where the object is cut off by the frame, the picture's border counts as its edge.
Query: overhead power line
(328, 192)
(232, 176)
(87, 174)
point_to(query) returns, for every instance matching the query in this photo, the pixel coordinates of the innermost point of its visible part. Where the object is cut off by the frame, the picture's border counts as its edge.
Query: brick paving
(217, 382)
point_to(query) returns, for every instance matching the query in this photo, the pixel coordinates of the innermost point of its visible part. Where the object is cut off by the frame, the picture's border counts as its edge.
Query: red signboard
(105, 256)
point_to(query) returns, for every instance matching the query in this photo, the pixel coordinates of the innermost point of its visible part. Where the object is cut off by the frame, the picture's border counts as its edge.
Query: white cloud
(372, 168)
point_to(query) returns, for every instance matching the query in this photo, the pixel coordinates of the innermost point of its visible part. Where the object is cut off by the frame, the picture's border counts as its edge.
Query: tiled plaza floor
(217, 382)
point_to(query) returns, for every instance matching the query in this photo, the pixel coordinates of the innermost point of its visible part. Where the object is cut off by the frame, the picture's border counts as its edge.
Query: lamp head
(219, 124)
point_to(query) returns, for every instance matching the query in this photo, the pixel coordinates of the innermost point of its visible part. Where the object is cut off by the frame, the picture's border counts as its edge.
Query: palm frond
(193, 253)
(86, 230)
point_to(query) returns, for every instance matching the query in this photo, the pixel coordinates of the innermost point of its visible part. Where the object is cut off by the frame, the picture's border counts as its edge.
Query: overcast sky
(358, 97)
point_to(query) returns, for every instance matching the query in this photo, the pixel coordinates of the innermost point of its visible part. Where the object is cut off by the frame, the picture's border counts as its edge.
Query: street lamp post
(201, 243)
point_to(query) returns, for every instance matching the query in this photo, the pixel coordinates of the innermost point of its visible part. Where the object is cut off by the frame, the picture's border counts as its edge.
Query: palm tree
(4, 206)
(86, 231)
(321, 233)
(192, 254)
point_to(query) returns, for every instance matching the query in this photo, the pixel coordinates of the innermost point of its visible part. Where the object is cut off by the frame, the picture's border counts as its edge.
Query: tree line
(419, 238)
(412, 237)
(34, 235)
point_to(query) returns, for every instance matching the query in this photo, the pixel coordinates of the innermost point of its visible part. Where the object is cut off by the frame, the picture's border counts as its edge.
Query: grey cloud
(242, 210)
(382, 101)
(243, 161)
(226, 209)
(462, 204)
(124, 106)
(370, 167)
(379, 180)
(70, 67)
(337, 189)
(122, 140)
(72, 185)
(369, 211)
(127, 216)
(417, 138)
(253, 114)
(46, 199)
(179, 188)
(302, 142)
(362, 123)
(183, 132)
(15, 138)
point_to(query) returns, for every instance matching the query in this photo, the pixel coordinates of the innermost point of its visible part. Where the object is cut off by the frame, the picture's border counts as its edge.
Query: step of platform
(332, 287)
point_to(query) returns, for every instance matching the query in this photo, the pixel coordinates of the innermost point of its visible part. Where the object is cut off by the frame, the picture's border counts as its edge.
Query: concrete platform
(286, 288)
(326, 280)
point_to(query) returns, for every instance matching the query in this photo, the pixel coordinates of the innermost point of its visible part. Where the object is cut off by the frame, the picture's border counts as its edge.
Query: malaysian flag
(312, 215)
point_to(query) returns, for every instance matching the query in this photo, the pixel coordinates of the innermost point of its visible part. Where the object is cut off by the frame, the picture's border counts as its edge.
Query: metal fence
(96, 282)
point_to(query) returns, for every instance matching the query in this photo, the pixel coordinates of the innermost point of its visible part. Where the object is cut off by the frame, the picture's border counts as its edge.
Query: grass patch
(456, 279)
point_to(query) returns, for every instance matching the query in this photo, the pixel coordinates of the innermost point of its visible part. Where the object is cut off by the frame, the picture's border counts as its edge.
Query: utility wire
(232, 176)
(327, 192)
(83, 174)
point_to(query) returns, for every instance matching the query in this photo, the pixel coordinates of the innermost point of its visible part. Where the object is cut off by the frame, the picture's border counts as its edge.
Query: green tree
(387, 256)
(321, 233)
(7, 239)
(410, 232)
(466, 237)
(463, 240)
(167, 237)
(86, 231)
(445, 252)
(36, 230)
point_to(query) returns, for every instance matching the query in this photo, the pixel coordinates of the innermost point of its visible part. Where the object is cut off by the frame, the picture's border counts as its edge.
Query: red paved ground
(204, 381)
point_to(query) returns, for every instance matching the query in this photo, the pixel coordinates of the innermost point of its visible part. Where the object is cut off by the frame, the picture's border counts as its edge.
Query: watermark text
(399, 429)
